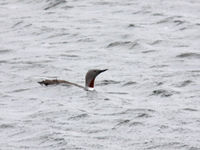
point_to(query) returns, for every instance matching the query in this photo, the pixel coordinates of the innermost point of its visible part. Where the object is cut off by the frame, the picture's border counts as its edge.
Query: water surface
(148, 99)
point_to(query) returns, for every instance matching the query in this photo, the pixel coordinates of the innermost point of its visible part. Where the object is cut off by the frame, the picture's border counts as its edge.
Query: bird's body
(89, 80)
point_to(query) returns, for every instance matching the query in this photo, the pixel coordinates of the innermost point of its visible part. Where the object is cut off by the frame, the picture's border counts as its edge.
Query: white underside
(89, 89)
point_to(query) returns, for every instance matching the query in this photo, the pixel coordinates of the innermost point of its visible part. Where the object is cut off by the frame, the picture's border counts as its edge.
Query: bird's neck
(90, 85)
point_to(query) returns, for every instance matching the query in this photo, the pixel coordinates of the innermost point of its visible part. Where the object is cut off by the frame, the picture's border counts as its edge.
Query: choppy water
(148, 99)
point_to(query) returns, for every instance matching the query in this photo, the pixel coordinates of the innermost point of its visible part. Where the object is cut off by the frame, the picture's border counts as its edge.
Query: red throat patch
(91, 84)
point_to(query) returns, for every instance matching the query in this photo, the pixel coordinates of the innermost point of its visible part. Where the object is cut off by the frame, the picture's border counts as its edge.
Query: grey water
(149, 99)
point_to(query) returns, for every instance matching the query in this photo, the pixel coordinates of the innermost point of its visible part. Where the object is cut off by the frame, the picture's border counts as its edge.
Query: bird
(89, 80)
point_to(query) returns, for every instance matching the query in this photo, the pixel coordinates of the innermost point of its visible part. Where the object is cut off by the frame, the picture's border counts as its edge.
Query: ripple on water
(189, 109)
(54, 4)
(177, 20)
(6, 126)
(129, 83)
(163, 93)
(80, 116)
(189, 55)
(184, 83)
(107, 82)
(133, 115)
(128, 44)
(168, 145)
(5, 51)
(148, 51)
(139, 110)
(143, 115)
(131, 25)
(19, 90)
(133, 112)
(156, 42)
(118, 93)
(121, 123)
(3, 62)
(70, 56)
(17, 24)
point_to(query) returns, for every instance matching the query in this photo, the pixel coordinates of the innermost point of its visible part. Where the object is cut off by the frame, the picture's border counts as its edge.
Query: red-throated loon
(89, 80)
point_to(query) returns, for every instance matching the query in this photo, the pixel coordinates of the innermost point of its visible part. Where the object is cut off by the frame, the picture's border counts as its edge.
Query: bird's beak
(102, 70)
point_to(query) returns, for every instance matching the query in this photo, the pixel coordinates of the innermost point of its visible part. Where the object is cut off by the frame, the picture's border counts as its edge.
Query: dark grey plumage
(89, 80)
